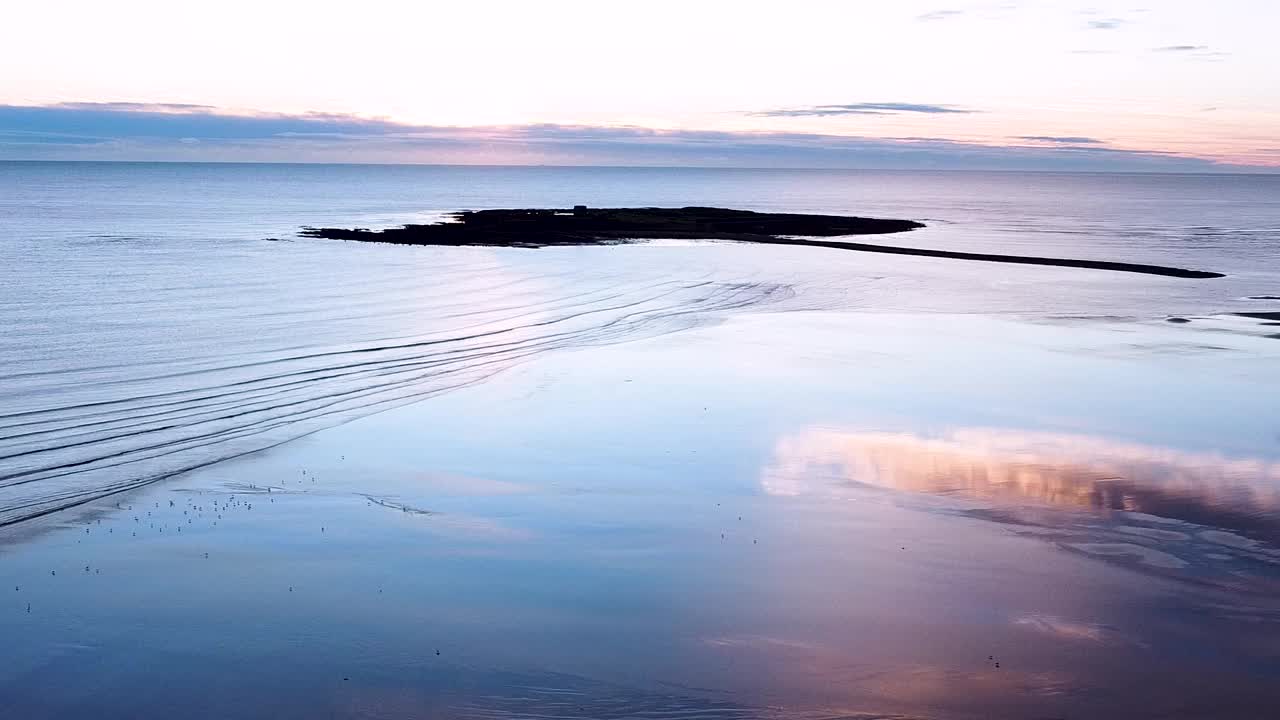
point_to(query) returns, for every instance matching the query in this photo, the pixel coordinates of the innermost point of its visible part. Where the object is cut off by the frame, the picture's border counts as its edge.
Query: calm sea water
(680, 480)
(150, 326)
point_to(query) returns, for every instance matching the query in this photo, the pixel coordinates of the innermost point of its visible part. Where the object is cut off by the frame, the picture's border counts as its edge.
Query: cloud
(1063, 139)
(939, 15)
(138, 107)
(1105, 23)
(165, 120)
(160, 133)
(1194, 52)
(14, 137)
(977, 11)
(881, 108)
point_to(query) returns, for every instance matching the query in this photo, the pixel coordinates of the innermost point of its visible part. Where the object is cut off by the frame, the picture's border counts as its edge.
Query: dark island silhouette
(536, 228)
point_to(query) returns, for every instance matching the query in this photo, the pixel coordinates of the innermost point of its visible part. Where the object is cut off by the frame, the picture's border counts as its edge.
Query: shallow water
(150, 328)
(686, 527)
(666, 480)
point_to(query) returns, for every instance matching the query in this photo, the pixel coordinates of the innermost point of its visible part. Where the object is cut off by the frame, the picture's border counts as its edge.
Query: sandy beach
(691, 525)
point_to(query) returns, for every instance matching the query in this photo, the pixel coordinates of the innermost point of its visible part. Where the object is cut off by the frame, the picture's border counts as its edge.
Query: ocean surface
(151, 326)
(549, 430)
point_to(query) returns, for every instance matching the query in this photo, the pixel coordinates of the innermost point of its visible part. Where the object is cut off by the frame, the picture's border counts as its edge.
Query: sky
(1177, 85)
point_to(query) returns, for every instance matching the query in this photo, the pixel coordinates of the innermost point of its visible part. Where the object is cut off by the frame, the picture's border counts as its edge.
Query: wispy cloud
(1194, 52)
(141, 132)
(138, 107)
(871, 108)
(1106, 23)
(1061, 139)
(939, 15)
(166, 120)
(974, 11)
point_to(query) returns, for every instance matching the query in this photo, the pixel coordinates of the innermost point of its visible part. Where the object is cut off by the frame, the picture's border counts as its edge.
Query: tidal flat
(669, 478)
(722, 522)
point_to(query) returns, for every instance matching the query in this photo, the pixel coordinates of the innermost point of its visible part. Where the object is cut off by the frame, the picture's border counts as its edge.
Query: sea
(161, 322)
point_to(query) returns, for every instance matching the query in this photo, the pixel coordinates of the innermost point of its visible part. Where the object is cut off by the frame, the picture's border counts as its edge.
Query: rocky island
(535, 228)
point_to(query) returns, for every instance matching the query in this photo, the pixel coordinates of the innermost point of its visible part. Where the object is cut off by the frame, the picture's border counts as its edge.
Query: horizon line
(1236, 170)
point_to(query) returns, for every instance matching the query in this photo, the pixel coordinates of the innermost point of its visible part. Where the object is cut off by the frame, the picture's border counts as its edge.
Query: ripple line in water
(66, 455)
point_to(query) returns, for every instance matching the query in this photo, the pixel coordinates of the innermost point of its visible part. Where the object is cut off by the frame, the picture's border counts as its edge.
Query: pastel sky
(1057, 84)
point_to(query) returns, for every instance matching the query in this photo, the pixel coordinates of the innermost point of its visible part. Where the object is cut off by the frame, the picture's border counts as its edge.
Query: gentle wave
(147, 428)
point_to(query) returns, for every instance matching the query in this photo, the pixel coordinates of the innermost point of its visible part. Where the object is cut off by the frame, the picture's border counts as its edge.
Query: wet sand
(720, 523)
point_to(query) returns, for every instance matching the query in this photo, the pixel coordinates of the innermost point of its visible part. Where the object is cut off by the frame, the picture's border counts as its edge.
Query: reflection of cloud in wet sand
(1067, 629)
(812, 669)
(1055, 469)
